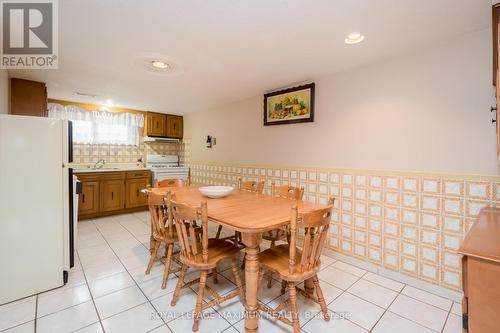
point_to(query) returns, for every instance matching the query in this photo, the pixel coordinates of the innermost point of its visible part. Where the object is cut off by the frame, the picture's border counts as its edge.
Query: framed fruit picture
(289, 106)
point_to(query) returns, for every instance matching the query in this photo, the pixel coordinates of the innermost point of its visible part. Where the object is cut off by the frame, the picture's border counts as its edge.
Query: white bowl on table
(216, 191)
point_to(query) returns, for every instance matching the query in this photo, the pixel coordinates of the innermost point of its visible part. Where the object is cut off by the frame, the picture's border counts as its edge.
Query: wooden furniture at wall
(281, 234)
(250, 186)
(163, 232)
(163, 125)
(481, 273)
(89, 199)
(28, 98)
(171, 182)
(203, 254)
(110, 193)
(174, 126)
(251, 214)
(155, 124)
(294, 265)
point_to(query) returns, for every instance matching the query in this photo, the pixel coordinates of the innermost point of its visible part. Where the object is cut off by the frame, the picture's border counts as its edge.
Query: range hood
(158, 139)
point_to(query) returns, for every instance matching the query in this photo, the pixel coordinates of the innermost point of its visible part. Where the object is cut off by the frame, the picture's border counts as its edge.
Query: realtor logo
(29, 34)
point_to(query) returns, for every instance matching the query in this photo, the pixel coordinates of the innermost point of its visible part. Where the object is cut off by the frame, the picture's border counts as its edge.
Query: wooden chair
(163, 231)
(295, 265)
(287, 192)
(171, 182)
(202, 255)
(248, 186)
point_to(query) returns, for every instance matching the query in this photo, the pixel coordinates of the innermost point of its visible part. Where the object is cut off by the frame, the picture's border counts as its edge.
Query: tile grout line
(136, 284)
(91, 296)
(36, 312)
(387, 309)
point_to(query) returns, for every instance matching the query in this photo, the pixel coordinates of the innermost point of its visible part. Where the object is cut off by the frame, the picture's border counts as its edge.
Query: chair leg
(321, 298)
(236, 274)
(293, 305)
(269, 279)
(199, 300)
(168, 262)
(273, 243)
(178, 287)
(236, 238)
(283, 286)
(219, 229)
(154, 253)
(215, 275)
(243, 262)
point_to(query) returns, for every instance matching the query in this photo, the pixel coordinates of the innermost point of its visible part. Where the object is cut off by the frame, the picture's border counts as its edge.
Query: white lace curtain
(100, 127)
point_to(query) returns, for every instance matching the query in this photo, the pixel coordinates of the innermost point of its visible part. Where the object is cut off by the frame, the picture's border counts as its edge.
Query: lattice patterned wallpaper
(407, 222)
(121, 153)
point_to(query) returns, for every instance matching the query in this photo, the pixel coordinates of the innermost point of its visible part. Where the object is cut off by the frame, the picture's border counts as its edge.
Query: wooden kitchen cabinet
(28, 98)
(110, 193)
(174, 126)
(163, 125)
(135, 197)
(89, 198)
(481, 273)
(155, 124)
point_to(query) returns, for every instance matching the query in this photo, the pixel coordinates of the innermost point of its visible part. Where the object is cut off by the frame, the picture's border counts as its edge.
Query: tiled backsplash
(407, 222)
(127, 154)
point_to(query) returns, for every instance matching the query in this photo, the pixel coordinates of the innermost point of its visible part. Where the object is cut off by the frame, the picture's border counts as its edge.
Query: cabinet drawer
(138, 174)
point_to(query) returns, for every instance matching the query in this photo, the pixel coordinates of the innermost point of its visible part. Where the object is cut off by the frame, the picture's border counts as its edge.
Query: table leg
(252, 242)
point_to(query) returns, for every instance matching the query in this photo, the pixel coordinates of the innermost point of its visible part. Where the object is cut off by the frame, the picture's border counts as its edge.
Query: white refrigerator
(37, 205)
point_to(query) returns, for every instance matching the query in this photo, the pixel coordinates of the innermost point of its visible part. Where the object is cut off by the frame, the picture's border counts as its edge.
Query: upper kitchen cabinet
(155, 124)
(163, 125)
(28, 98)
(174, 126)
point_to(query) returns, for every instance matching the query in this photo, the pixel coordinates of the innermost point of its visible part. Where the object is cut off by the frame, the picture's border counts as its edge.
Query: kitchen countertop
(82, 168)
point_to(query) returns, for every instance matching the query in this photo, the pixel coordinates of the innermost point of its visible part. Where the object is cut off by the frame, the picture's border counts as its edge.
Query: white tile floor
(108, 291)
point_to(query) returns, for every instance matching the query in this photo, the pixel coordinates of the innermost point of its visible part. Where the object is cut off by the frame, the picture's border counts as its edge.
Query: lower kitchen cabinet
(110, 193)
(135, 197)
(89, 198)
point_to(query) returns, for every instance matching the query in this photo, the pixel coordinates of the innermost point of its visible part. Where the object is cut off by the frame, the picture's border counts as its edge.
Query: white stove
(166, 167)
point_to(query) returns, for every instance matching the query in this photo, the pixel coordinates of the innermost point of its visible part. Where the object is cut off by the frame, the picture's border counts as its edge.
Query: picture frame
(289, 106)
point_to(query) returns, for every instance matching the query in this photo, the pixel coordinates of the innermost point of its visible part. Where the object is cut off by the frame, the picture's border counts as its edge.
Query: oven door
(171, 174)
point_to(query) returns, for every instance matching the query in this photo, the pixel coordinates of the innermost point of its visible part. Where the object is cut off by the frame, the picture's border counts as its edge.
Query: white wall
(4, 91)
(427, 111)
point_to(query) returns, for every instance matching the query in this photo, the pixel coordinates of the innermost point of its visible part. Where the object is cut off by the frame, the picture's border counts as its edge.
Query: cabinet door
(134, 195)
(89, 198)
(112, 195)
(28, 98)
(174, 126)
(156, 124)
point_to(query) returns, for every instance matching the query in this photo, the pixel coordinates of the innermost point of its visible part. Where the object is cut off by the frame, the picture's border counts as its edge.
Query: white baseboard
(414, 282)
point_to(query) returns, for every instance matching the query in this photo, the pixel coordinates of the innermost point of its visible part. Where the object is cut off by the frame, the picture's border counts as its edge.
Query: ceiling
(231, 50)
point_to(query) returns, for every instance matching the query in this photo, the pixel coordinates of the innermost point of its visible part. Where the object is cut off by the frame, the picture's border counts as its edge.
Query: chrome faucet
(99, 164)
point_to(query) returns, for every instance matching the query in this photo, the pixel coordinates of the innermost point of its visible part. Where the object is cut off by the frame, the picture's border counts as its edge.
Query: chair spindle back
(315, 225)
(186, 218)
(251, 186)
(159, 217)
(171, 182)
(287, 192)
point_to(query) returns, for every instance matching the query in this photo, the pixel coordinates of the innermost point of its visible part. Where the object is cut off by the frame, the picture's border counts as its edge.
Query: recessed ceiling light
(159, 64)
(354, 38)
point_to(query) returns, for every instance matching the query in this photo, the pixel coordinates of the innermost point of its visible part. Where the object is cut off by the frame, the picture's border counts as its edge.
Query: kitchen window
(100, 127)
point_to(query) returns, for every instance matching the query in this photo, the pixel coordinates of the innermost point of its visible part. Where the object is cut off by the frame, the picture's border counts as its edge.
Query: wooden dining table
(252, 214)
